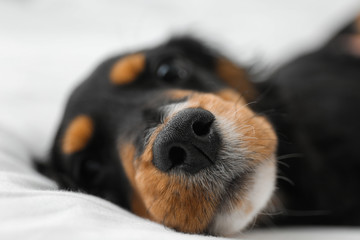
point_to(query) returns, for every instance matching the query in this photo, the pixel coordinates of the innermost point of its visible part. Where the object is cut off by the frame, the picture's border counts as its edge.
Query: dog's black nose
(189, 141)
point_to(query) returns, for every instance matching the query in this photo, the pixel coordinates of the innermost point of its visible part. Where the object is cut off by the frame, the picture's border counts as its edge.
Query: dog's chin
(234, 216)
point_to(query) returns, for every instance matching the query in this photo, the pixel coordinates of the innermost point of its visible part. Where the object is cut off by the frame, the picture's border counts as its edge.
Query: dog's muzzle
(207, 165)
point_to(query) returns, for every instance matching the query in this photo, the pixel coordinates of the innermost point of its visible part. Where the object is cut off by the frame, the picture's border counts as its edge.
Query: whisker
(304, 213)
(289, 156)
(282, 163)
(286, 180)
(242, 107)
(271, 214)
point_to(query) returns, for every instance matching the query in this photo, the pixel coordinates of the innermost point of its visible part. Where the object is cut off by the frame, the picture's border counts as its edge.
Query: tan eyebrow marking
(236, 78)
(77, 134)
(126, 69)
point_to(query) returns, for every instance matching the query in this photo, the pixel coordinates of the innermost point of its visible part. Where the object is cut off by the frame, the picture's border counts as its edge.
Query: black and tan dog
(167, 133)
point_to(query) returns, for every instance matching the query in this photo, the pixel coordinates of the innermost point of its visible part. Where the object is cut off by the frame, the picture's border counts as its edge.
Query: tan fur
(77, 134)
(262, 140)
(127, 69)
(248, 208)
(178, 94)
(127, 156)
(138, 207)
(173, 201)
(230, 95)
(352, 41)
(353, 45)
(236, 78)
(258, 135)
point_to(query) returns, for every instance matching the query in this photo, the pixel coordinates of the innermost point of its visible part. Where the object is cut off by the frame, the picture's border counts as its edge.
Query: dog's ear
(233, 75)
(83, 158)
(69, 156)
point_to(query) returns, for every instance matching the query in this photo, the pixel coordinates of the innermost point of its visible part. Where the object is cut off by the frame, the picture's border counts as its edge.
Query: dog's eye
(172, 72)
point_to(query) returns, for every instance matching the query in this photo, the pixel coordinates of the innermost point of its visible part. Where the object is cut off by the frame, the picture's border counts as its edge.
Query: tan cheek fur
(77, 134)
(127, 156)
(126, 69)
(256, 132)
(230, 96)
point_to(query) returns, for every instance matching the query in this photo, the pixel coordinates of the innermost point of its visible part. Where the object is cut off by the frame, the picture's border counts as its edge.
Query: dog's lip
(185, 165)
(204, 153)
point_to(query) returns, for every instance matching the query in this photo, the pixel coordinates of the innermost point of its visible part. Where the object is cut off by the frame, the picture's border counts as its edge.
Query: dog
(168, 134)
(179, 134)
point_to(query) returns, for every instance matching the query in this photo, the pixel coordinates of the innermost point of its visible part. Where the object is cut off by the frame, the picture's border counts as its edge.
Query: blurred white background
(48, 46)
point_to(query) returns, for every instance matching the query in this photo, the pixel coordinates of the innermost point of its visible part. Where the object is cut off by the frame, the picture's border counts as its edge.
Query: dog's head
(196, 157)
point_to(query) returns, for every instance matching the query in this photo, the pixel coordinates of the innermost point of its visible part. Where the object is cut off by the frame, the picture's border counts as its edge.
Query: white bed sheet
(46, 47)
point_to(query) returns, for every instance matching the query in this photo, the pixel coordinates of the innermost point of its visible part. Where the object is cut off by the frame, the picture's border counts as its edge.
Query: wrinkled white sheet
(47, 46)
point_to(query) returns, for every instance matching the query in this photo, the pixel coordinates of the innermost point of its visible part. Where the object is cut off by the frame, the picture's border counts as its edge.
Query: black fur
(316, 102)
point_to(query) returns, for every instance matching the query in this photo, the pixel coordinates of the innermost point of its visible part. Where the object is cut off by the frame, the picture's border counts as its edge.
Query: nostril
(177, 155)
(201, 128)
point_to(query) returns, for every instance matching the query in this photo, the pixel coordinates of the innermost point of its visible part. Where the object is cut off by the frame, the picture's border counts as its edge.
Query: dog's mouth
(207, 167)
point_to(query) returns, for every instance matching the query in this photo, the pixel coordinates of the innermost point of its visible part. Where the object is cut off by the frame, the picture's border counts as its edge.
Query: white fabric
(47, 46)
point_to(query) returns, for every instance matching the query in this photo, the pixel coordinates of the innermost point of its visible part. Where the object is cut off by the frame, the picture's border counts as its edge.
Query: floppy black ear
(232, 74)
(83, 159)
(72, 165)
